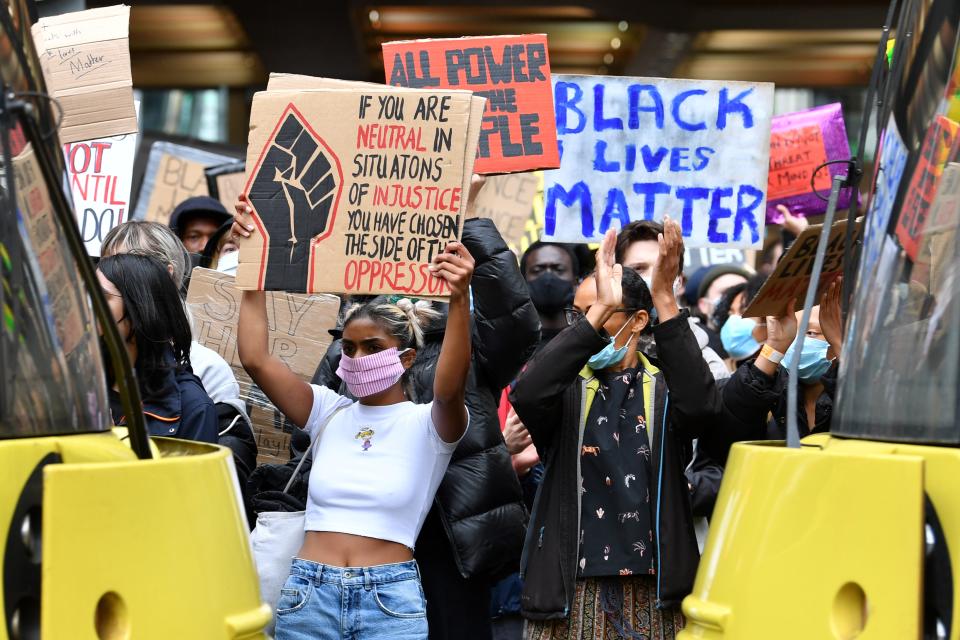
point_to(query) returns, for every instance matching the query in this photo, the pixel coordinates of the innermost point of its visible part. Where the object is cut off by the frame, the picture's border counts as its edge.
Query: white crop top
(377, 469)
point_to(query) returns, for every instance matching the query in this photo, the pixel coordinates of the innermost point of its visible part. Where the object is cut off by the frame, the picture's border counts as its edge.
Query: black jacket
(550, 398)
(180, 408)
(479, 501)
(755, 408)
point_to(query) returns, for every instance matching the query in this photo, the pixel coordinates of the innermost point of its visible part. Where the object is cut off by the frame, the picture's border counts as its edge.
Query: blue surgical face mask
(609, 355)
(813, 359)
(737, 337)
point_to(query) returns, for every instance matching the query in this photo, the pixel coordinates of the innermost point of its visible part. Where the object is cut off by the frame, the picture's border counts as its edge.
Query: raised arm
(289, 393)
(694, 396)
(455, 266)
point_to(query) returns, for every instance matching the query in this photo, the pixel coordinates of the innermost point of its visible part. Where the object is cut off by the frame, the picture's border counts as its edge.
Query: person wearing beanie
(196, 220)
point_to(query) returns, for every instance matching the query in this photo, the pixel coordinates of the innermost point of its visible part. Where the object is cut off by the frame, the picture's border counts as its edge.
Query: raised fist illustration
(293, 193)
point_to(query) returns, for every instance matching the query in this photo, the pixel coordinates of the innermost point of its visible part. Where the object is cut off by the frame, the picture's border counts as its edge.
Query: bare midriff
(347, 550)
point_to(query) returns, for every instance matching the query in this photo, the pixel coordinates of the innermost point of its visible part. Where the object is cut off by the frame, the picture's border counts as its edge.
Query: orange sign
(794, 155)
(511, 72)
(936, 151)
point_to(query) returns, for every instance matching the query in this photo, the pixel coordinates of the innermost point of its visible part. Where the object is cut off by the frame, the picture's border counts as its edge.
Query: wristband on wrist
(771, 354)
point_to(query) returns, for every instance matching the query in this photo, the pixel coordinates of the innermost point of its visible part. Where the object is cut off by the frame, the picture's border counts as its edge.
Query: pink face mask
(373, 374)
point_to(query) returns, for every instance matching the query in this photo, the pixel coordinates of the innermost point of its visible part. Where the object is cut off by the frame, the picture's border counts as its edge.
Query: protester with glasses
(611, 550)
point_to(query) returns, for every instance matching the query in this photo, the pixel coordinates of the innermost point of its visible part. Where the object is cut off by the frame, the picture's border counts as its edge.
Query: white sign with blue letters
(639, 148)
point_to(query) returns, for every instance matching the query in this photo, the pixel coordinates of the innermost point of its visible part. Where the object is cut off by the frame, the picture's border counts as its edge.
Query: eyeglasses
(572, 315)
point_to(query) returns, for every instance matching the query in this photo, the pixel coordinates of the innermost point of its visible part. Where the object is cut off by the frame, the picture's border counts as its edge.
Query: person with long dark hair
(147, 310)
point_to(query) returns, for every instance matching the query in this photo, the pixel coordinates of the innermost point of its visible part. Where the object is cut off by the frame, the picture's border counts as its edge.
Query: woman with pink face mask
(378, 465)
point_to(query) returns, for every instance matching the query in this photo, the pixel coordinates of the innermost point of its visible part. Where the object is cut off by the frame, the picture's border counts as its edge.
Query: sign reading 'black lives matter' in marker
(641, 148)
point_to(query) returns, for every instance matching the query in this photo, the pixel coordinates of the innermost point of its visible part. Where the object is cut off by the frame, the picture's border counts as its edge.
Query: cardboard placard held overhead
(63, 297)
(945, 209)
(174, 173)
(354, 191)
(799, 143)
(936, 151)
(791, 278)
(85, 58)
(511, 72)
(297, 82)
(100, 179)
(640, 148)
(225, 182)
(299, 335)
(508, 201)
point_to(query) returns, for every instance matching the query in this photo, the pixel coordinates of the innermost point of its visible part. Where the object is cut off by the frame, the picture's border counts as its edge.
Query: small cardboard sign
(357, 202)
(799, 143)
(58, 286)
(85, 57)
(225, 182)
(937, 148)
(508, 201)
(511, 72)
(298, 334)
(640, 148)
(100, 173)
(789, 281)
(945, 210)
(174, 173)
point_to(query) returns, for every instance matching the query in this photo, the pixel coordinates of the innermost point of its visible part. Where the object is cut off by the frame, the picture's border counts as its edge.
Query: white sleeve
(426, 419)
(325, 402)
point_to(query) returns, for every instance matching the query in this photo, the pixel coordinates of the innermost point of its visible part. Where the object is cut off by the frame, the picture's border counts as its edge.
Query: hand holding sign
(782, 330)
(831, 324)
(455, 266)
(476, 184)
(794, 224)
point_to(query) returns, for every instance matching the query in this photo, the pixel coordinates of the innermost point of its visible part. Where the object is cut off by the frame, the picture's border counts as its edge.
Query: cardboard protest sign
(296, 82)
(791, 278)
(508, 201)
(85, 58)
(799, 143)
(511, 72)
(56, 267)
(174, 173)
(359, 202)
(639, 148)
(934, 154)
(100, 174)
(299, 335)
(225, 182)
(945, 209)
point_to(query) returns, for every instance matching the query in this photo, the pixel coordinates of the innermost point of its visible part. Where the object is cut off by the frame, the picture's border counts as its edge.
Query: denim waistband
(379, 574)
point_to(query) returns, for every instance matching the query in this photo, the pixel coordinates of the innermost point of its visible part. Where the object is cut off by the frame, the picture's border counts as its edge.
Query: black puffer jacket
(479, 500)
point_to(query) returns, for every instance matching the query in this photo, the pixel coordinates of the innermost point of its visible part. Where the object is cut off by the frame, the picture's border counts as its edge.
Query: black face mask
(550, 293)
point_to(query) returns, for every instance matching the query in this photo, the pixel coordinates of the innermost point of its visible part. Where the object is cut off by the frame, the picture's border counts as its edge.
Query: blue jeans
(320, 602)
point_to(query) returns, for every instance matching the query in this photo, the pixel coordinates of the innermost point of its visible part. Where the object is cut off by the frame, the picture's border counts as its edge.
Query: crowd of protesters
(536, 458)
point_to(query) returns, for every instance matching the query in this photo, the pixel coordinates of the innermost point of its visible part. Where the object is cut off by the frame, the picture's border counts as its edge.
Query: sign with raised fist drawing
(354, 191)
(295, 191)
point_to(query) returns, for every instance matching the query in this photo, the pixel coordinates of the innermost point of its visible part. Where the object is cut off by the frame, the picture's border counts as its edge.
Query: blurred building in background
(196, 66)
